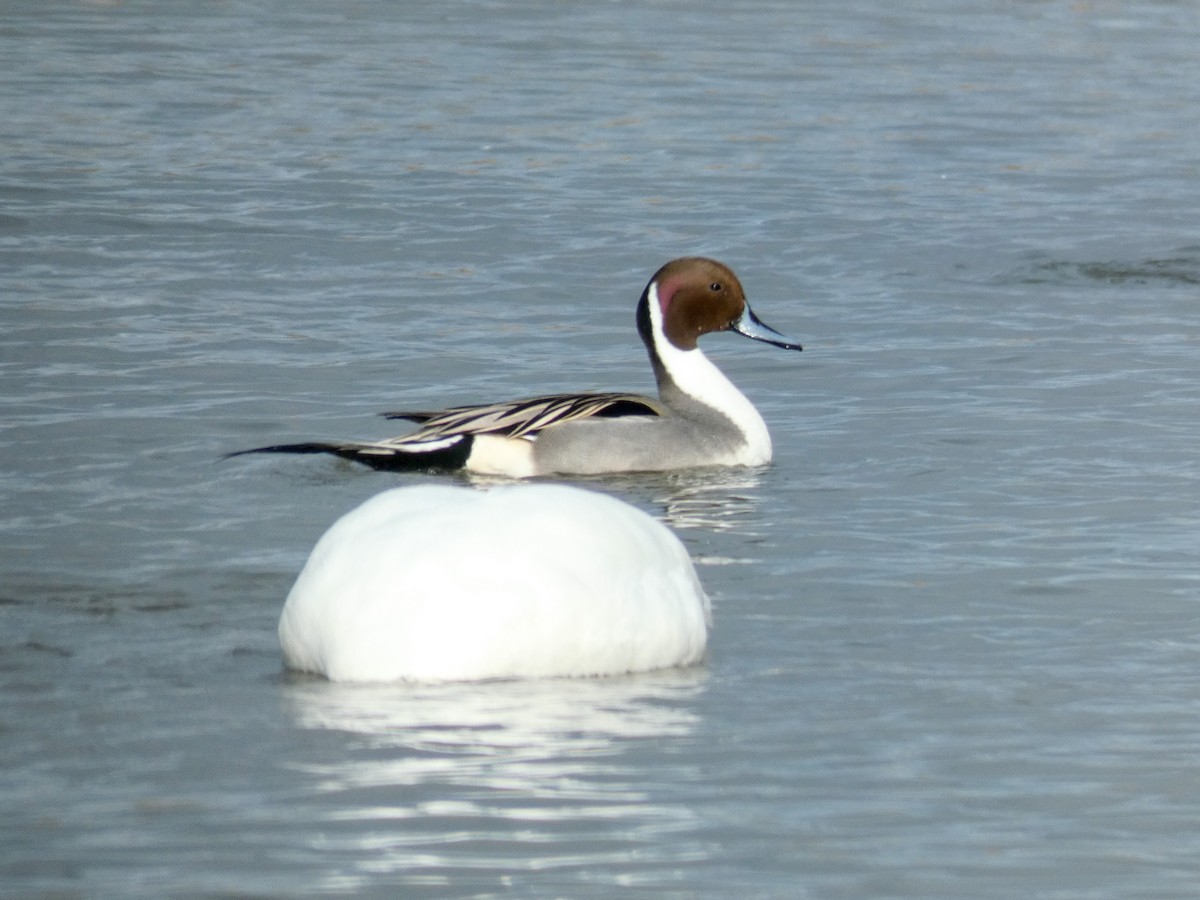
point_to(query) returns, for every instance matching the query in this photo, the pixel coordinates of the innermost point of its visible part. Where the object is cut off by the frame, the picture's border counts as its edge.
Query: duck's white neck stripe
(693, 373)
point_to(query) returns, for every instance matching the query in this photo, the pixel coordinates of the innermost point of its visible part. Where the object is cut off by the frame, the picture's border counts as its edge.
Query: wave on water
(1180, 268)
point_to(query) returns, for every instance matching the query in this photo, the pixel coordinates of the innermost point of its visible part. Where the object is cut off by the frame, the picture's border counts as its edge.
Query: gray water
(955, 649)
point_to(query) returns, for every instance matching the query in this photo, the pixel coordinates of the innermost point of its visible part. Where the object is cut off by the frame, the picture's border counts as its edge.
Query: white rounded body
(438, 583)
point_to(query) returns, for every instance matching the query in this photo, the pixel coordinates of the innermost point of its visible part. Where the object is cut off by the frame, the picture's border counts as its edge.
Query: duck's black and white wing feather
(444, 438)
(525, 418)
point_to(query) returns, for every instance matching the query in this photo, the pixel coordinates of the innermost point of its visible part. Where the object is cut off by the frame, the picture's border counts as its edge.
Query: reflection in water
(469, 780)
(582, 713)
(713, 499)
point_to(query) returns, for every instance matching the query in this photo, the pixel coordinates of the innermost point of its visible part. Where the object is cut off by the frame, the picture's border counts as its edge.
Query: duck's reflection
(712, 499)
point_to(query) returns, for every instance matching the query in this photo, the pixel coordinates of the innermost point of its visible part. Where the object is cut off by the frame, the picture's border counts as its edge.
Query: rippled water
(956, 621)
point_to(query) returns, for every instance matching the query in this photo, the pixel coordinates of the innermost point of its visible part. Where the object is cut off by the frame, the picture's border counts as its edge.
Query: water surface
(955, 643)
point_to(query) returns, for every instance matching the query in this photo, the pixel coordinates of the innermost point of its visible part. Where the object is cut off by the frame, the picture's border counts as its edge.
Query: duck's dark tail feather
(439, 454)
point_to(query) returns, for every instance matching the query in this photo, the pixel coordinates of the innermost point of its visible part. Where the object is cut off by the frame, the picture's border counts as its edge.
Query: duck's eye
(716, 287)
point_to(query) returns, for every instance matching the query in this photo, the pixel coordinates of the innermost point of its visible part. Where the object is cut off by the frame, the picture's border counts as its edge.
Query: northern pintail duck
(699, 419)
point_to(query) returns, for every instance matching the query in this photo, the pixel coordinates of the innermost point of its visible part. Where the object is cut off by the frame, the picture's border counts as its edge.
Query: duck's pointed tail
(444, 453)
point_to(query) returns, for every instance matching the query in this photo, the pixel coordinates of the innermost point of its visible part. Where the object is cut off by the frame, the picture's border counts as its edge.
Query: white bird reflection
(506, 714)
(441, 783)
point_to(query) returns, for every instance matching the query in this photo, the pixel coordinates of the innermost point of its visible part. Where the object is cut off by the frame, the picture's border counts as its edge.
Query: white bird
(440, 583)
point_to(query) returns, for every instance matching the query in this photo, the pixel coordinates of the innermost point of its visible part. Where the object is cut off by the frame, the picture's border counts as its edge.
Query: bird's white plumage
(439, 583)
(695, 375)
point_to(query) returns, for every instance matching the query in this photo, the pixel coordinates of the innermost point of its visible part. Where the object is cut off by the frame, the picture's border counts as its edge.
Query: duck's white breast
(437, 583)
